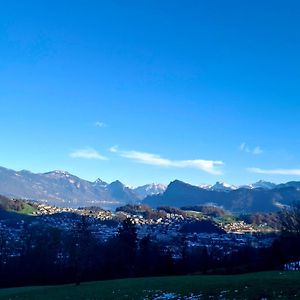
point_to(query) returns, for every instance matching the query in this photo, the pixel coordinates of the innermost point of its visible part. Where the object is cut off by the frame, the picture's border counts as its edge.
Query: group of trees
(53, 256)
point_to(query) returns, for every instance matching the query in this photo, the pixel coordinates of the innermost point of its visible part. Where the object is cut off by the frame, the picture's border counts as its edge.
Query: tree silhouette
(127, 242)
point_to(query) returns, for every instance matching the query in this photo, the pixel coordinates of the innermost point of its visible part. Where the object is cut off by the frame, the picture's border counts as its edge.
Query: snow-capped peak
(59, 173)
(261, 184)
(100, 182)
(150, 189)
(205, 186)
(155, 188)
(222, 186)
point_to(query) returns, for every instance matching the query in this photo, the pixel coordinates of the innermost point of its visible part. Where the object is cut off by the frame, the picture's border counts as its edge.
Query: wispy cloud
(275, 171)
(87, 153)
(113, 149)
(257, 150)
(245, 148)
(100, 124)
(209, 166)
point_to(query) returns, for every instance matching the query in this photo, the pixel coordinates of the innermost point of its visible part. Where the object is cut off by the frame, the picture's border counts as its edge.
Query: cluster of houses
(105, 224)
(45, 209)
(238, 227)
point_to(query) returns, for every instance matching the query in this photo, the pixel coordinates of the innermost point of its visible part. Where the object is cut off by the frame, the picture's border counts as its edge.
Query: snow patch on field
(159, 295)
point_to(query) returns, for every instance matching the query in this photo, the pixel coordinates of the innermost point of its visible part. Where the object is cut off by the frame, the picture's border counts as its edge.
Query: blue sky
(150, 91)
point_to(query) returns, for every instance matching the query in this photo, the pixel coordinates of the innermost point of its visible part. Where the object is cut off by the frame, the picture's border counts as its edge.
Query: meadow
(264, 285)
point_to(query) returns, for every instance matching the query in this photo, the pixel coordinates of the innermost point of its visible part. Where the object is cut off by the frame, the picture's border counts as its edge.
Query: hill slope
(15, 205)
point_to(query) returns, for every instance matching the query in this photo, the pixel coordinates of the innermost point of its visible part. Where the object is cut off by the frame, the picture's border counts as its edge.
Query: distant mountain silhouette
(241, 200)
(63, 189)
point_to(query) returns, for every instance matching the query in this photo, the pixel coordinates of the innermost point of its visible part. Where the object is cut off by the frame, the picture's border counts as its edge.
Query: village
(103, 225)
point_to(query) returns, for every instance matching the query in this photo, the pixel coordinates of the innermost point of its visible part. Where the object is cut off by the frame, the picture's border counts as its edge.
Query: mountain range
(249, 199)
(223, 186)
(63, 189)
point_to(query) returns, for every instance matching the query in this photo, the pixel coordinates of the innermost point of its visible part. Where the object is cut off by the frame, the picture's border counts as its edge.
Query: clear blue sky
(146, 91)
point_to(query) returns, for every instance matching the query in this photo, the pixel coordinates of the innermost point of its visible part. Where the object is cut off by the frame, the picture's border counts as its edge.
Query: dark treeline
(52, 256)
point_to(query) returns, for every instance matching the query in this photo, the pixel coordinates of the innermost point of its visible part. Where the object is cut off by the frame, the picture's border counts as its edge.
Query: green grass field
(27, 210)
(266, 285)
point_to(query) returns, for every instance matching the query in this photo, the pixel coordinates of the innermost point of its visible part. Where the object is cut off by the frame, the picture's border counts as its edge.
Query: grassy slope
(273, 285)
(17, 206)
(27, 210)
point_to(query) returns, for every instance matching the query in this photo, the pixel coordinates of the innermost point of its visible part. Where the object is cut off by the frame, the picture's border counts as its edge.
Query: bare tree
(291, 218)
